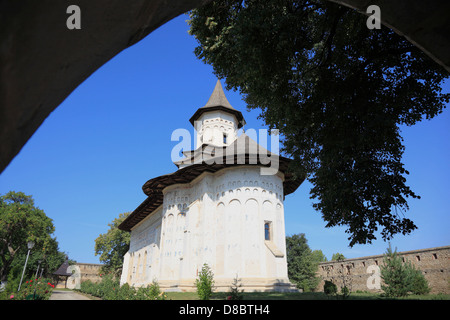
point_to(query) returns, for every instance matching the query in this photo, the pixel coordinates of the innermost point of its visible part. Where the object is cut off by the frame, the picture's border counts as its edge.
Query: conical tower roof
(218, 98)
(218, 101)
(62, 270)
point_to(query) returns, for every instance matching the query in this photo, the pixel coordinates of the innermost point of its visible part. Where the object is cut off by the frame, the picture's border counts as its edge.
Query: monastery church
(217, 208)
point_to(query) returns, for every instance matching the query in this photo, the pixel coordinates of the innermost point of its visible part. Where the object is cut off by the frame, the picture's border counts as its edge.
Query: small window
(417, 258)
(224, 138)
(434, 256)
(267, 231)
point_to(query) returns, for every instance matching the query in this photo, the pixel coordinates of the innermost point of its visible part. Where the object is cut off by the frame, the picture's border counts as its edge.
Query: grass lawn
(299, 296)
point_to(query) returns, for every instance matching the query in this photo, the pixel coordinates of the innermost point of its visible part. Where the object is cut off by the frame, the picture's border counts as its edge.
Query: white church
(218, 208)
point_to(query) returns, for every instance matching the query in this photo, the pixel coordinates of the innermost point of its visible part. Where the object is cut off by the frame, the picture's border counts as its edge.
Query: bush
(33, 289)
(345, 292)
(235, 293)
(417, 282)
(205, 283)
(89, 287)
(109, 289)
(329, 288)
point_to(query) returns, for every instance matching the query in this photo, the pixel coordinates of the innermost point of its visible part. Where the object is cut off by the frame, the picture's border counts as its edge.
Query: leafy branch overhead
(337, 92)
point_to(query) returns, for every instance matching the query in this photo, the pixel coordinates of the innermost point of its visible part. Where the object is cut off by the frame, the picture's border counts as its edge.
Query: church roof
(243, 144)
(218, 98)
(62, 270)
(218, 101)
(244, 151)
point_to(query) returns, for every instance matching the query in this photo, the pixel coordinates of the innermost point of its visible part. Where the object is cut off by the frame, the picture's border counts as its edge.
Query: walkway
(67, 295)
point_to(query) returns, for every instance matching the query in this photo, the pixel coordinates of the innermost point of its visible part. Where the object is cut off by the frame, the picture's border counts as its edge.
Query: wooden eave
(153, 188)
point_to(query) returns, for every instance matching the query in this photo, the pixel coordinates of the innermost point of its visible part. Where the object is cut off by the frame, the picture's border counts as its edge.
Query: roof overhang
(154, 188)
(234, 112)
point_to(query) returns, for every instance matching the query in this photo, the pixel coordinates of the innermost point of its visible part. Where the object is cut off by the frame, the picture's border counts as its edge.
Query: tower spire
(218, 102)
(218, 98)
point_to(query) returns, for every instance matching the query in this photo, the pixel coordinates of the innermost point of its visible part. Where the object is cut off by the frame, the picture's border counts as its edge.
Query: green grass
(301, 296)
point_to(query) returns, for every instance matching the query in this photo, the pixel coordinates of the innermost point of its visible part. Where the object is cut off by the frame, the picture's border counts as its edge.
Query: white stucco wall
(217, 219)
(211, 126)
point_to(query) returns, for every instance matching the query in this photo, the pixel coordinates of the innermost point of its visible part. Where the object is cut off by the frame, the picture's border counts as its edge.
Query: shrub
(109, 289)
(329, 288)
(89, 287)
(33, 289)
(345, 292)
(205, 283)
(155, 293)
(235, 293)
(417, 282)
(126, 292)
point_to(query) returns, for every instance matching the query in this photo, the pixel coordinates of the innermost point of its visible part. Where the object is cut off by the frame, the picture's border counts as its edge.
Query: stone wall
(90, 271)
(363, 273)
(80, 273)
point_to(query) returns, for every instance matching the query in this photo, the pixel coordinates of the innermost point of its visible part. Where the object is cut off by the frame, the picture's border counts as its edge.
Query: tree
(235, 292)
(302, 262)
(337, 257)
(205, 282)
(394, 274)
(113, 245)
(338, 93)
(21, 221)
(401, 277)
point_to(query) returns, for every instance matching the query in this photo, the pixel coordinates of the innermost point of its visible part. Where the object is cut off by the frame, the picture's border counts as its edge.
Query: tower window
(267, 235)
(225, 138)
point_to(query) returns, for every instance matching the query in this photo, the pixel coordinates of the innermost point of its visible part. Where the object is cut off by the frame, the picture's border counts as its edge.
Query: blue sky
(87, 162)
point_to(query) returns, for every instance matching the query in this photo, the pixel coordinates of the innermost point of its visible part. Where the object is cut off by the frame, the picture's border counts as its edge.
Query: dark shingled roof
(218, 101)
(207, 158)
(62, 270)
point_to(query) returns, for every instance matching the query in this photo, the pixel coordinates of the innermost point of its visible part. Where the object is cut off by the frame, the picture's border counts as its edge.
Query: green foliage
(337, 257)
(21, 221)
(33, 289)
(302, 262)
(205, 282)
(113, 245)
(338, 93)
(394, 274)
(401, 278)
(109, 289)
(329, 288)
(235, 293)
(417, 284)
(345, 292)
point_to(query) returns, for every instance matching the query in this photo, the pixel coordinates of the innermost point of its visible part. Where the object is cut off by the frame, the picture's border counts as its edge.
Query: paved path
(67, 295)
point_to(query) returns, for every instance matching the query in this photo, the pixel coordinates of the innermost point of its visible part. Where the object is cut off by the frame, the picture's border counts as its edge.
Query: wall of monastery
(363, 273)
(80, 272)
(218, 219)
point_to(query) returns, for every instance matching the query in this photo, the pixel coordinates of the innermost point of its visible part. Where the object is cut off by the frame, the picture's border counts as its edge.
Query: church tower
(217, 123)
